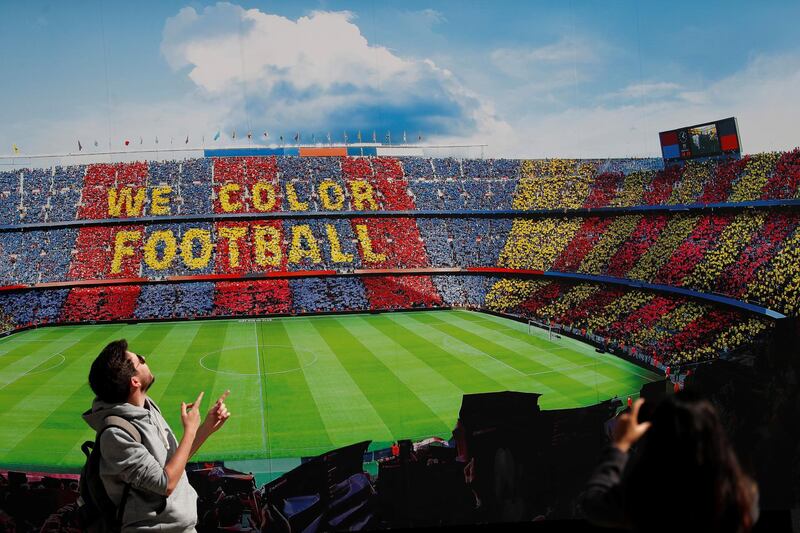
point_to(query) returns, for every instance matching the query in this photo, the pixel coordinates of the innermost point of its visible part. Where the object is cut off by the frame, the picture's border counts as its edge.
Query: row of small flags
(297, 138)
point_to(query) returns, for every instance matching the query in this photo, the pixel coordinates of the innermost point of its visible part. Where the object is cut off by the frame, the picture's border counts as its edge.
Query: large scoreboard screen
(701, 140)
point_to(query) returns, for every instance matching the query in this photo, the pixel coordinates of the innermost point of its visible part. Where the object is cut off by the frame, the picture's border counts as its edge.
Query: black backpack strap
(114, 421)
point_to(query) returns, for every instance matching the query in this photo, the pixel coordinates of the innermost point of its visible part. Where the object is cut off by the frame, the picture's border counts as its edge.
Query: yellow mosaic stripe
(535, 244)
(572, 298)
(731, 338)
(693, 181)
(730, 244)
(672, 322)
(777, 284)
(624, 305)
(553, 184)
(756, 174)
(601, 253)
(676, 230)
(508, 293)
(633, 188)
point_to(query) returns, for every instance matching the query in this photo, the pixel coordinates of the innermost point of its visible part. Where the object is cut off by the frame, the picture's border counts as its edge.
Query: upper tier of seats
(270, 184)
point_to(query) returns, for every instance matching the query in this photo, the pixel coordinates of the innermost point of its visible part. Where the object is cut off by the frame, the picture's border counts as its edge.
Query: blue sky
(531, 79)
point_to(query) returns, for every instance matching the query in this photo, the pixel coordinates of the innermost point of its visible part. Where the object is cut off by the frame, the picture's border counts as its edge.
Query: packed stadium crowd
(748, 254)
(195, 186)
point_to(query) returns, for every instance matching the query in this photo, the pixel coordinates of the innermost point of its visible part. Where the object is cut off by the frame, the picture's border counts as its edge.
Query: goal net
(544, 329)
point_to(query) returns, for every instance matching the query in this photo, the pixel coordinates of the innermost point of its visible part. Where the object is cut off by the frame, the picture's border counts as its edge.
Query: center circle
(273, 359)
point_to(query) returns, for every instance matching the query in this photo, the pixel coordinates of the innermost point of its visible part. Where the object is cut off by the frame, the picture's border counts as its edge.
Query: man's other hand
(190, 414)
(218, 414)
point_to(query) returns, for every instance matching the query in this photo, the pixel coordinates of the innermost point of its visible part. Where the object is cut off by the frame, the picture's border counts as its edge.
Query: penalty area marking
(33, 372)
(266, 346)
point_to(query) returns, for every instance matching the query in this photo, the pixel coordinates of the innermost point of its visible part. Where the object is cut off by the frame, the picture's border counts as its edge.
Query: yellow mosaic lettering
(363, 193)
(294, 203)
(260, 188)
(336, 247)
(159, 200)
(325, 189)
(233, 234)
(302, 234)
(133, 203)
(225, 197)
(151, 252)
(366, 245)
(268, 246)
(187, 248)
(122, 248)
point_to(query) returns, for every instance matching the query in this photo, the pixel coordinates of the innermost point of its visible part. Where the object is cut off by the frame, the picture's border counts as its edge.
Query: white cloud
(524, 62)
(762, 95)
(255, 70)
(317, 72)
(321, 51)
(429, 17)
(647, 90)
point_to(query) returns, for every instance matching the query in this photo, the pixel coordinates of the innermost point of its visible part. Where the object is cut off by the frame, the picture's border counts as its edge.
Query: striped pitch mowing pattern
(299, 386)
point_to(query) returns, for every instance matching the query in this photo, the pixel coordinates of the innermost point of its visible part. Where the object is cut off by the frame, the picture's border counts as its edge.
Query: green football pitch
(299, 386)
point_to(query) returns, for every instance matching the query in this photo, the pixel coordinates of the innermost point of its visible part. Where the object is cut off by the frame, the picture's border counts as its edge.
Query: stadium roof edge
(203, 150)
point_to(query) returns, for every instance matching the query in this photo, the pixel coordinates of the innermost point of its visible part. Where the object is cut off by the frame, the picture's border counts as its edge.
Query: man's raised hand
(218, 414)
(190, 414)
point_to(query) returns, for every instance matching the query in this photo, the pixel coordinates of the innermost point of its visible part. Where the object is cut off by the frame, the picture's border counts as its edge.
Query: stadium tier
(284, 235)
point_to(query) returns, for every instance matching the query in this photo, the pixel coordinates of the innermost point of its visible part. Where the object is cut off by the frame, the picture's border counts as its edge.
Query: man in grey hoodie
(160, 498)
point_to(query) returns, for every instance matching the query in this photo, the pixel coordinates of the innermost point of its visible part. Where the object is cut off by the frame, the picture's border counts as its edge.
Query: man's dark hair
(111, 372)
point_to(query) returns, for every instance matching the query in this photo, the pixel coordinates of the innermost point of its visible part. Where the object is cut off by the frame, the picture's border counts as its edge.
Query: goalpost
(553, 330)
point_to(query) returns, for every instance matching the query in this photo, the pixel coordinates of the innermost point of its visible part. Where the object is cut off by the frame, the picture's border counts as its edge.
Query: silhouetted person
(684, 475)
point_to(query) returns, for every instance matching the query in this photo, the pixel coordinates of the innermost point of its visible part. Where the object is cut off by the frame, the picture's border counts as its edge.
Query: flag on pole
(96, 144)
(297, 137)
(216, 135)
(79, 145)
(389, 137)
(404, 137)
(187, 140)
(359, 136)
(249, 134)
(141, 141)
(266, 134)
(127, 142)
(234, 134)
(15, 148)
(374, 136)
(156, 139)
(281, 138)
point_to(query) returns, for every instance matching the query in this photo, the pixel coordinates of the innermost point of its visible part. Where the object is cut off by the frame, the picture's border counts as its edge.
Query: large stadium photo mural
(340, 266)
(299, 236)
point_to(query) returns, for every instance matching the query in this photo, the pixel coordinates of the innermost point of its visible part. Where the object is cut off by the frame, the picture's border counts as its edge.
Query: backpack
(98, 513)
